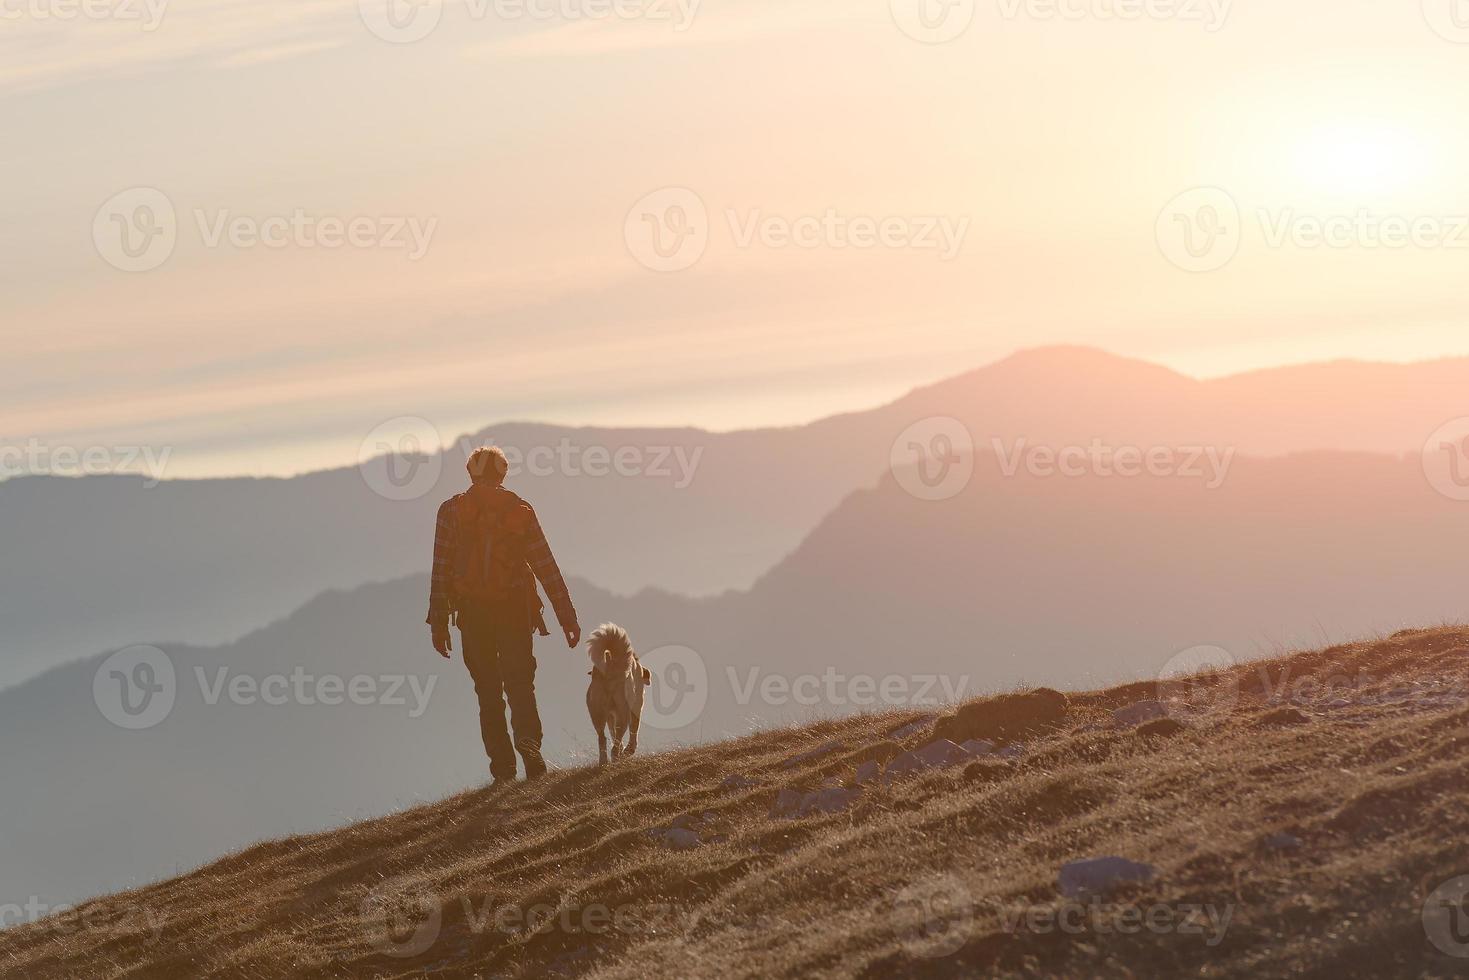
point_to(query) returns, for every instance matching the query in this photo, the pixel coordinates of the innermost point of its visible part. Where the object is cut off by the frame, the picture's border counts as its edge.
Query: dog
(615, 695)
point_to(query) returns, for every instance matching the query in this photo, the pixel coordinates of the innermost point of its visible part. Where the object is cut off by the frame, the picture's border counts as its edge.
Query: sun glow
(1364, 158)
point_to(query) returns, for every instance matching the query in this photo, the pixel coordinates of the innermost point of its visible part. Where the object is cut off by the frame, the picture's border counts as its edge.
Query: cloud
(279, 52)
(677, 24)
(45, 46)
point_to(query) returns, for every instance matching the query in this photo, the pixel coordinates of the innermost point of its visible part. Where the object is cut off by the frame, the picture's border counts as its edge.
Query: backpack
(492, 544)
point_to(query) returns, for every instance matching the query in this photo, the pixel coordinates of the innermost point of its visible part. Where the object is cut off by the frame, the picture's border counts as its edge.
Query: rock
(1012, 751)
(1281, 841)
(1162, 728)
(867, 772)
(833, 800)
(1005, 718)
(911, 728)
(738, 781)
(814, 754)
(979, 746)
(791, 804)
(935, 755)
(1098, 876)
(942, 752)
(787, 803)
(1283, 716)
(680, 838)
(987, 771)
(1136, 714)
(1339, 703)
(687, 821)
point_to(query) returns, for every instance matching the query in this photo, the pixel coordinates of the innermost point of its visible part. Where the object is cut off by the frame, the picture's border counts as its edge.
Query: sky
(255, 232)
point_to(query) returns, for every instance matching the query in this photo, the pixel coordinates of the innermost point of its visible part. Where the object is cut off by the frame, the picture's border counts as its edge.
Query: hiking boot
(535, 766)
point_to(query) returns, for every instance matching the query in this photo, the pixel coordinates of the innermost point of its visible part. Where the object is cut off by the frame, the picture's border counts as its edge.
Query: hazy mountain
(100, 562)
(892, 599)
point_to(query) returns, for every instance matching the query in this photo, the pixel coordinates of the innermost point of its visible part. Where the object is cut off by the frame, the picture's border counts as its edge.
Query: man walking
(489, 550)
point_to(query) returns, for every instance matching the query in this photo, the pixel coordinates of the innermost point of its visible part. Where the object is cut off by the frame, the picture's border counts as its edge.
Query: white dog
(615, 695)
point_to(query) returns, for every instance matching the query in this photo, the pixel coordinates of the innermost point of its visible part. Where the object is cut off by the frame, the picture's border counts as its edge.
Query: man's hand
(443, 643)
(573, 636)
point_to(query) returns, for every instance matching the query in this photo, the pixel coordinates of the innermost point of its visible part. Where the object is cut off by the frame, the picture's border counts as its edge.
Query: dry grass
(927, 878)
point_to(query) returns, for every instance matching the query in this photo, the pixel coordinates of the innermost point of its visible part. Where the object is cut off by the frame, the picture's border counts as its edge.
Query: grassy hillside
(1300, 813)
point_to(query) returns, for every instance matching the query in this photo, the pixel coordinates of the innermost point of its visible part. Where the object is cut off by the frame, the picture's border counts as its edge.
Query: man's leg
(518, 669)
(477, 633)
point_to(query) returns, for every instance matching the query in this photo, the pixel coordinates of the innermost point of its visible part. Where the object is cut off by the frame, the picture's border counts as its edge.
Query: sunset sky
(1053, 150)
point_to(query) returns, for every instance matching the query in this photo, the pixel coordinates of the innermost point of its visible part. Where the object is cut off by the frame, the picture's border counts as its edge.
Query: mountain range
(97, 563)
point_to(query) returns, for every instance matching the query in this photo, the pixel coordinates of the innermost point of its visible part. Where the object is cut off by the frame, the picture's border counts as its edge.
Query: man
(489, 550)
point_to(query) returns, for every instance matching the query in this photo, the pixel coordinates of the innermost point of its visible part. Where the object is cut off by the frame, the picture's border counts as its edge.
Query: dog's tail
(608, 640)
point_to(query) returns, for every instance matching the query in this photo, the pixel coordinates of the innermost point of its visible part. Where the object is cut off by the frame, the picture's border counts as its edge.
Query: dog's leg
(598, 710)
(619, 728)
(634, 711)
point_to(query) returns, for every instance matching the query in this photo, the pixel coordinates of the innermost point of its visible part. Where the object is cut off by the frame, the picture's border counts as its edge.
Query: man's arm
(543, 564)
(438, 581)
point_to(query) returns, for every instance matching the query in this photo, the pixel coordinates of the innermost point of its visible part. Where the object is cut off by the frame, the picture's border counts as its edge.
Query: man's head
(488, 466)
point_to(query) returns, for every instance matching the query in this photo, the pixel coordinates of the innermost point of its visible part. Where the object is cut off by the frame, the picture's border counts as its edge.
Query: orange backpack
(490, 552)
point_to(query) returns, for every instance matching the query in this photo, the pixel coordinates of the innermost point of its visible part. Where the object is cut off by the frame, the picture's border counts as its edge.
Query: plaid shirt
(538, 557)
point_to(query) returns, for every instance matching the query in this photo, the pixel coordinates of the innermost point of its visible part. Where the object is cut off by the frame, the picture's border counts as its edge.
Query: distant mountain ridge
(100, 562)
